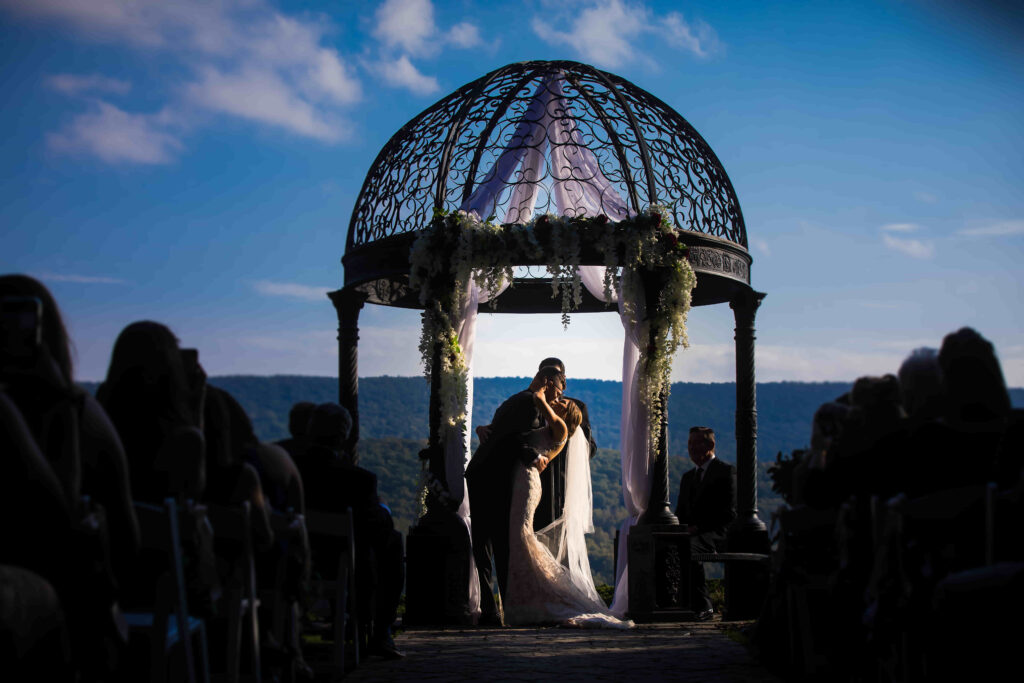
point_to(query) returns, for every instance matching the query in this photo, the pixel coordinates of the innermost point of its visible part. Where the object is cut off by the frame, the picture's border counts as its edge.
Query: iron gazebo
(555, 137)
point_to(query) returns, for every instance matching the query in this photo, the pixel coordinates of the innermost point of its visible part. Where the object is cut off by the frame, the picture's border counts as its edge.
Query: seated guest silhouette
(298, 424)
(231, 478)
(39, 582)
(45, 391)
(156, 408)
(706, 506)
(332, 484)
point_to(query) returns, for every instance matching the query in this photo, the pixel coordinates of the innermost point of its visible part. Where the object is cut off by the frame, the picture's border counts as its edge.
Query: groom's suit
(709, 505)
(489, 478)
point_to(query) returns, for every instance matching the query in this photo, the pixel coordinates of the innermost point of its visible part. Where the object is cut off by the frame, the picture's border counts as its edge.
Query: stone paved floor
(691, 652)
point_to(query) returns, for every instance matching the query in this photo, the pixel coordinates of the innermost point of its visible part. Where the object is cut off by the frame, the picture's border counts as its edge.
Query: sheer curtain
(580, 188)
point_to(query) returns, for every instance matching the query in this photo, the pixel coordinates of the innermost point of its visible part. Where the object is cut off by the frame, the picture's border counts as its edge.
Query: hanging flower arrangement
(459, 247)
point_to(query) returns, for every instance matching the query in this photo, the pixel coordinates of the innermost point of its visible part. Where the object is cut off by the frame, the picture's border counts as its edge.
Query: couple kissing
(535, 535)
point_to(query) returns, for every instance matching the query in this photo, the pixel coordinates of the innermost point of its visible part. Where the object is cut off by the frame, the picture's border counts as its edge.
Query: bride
(549, 579)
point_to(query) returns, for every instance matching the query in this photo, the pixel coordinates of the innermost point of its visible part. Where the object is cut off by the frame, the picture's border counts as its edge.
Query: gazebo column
(746, 583)
(657, 546)
(658, 509)
(347, 303)
(438, 548)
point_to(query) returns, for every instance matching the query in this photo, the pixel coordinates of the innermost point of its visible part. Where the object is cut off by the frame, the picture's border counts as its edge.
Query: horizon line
(525, 378)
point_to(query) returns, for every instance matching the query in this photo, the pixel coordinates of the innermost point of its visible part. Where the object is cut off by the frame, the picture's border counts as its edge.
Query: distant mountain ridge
(396, 407)
(393, 429)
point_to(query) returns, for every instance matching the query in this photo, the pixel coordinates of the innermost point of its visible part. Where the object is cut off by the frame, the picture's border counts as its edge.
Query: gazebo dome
(521, 126)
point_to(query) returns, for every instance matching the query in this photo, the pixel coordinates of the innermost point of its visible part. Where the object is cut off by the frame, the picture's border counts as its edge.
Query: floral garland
(459, 247)
(431, 487)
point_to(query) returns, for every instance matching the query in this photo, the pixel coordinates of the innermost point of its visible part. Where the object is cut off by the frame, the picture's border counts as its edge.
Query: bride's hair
(572, 417)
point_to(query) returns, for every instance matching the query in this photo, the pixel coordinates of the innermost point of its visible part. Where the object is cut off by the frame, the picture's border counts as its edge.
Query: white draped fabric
(571, 162)
(456, 446)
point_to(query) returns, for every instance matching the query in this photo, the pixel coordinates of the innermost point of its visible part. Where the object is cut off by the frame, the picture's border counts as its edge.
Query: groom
(489, 479)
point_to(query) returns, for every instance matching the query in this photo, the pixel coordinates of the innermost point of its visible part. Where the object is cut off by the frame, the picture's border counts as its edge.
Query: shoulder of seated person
(276, 453)
(94, 419)
(185, 435)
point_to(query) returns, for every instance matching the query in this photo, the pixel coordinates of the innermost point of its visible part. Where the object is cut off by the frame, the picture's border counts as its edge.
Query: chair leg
(234, 639)
(204, 653)
(340, 619)
(254, 641)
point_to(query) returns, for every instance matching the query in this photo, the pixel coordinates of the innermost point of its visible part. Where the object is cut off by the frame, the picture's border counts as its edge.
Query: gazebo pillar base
(746, 583)
(438, 553)
(659, 573)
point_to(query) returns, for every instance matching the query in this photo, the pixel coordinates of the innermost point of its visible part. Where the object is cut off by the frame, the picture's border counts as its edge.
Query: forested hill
(396, 407)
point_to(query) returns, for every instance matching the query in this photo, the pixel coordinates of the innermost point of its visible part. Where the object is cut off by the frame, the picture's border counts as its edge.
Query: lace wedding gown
(541, 590)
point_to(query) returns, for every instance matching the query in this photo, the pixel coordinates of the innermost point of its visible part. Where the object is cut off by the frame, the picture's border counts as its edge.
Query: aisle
(691, 652)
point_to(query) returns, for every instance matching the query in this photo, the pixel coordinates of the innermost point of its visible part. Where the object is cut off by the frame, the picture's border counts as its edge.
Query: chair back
(336, 526)
(337, 530)
(159, 531)
(232, 523)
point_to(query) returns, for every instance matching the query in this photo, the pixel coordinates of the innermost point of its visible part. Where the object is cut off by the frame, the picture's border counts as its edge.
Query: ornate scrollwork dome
(484, 134)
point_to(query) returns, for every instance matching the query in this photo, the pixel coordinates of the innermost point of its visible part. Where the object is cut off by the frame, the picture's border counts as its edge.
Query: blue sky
(196, 163)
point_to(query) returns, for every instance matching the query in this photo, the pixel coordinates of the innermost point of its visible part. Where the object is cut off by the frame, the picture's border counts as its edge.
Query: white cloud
(402, 73)
(407, 25)
(116, 136)
(914, 248)
(464, 35)
(999, 229)
(70, 84)
(261, 95)
(291, 290)
(819, 364)
(277, 66)
(762, 246)
(926, 197)
(609, 32)
(900, 227)
(80, 279)
(698, 37)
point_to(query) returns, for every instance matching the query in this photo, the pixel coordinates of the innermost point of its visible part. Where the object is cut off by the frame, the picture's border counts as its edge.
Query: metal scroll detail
(647, 152)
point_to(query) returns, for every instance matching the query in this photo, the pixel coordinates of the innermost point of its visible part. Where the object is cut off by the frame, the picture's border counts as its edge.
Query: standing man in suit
(552, 479)
(706, 506)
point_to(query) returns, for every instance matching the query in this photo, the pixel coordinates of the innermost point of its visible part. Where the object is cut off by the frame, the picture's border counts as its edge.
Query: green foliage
(716, 591)
(782, 473)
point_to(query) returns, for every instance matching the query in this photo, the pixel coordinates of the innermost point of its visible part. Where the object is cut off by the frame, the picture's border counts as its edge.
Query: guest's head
(298, 418)
(54, 334)
(701, 444)
(921, 384)
(569, 412)
(975, 387)
(146, 391)
(877, 398)
(827, 427)
(329, 426)
(228, 430)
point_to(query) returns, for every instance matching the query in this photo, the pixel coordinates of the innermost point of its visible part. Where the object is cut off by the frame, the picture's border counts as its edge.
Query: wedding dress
(541, 589)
